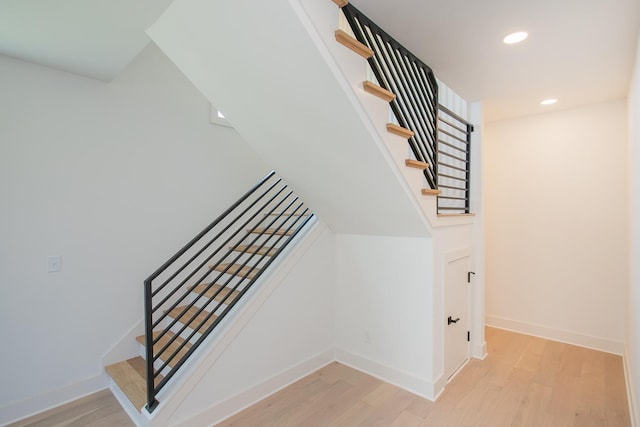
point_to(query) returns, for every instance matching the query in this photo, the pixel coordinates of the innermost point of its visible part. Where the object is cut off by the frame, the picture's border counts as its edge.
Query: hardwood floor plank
(95, 410)
(523, 382)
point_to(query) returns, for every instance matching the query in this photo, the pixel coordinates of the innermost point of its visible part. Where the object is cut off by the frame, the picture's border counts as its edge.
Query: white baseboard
(631, 394)
(231, 406)
(419, 386)
(596, 343)
(30, 406)
(479, 351)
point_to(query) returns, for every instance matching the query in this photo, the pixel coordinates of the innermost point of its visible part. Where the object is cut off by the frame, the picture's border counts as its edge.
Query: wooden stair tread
(453, 215)
(184, 318)
(172, 347)
(416, 164)
(430, 192)
(130, 376)
(277, 213)
(399, 130)
(268, 231)
(340, 3)
(346, 40)
(238, 270)
(213, 289)
(378, 91)
(255, 249)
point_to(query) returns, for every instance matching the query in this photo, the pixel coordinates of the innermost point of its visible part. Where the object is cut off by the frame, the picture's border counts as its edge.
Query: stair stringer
(324, 18)
(264, 65)
(185, 390)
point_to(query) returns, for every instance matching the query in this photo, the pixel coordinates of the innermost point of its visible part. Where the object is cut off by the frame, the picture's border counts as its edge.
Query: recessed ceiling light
(549, 101)
(516, 37)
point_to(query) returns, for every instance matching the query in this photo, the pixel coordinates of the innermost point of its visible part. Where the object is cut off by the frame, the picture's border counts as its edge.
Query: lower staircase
(189, 296)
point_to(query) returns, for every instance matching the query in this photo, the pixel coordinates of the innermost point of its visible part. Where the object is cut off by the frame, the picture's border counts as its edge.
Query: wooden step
(172, 347)
(130, 376)
(213, 289)
(378, 91)
(416, 164)
(430, 192)
(255, 249)
(238, 270)
(399, 130)
(175, 313)
(270, 231)
(346, 40)
(340, 3)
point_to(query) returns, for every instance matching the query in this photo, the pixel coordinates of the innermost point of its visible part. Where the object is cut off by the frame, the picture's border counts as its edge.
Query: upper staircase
(304, 103)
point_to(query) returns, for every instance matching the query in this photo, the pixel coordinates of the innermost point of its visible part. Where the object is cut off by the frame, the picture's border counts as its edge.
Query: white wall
(632, 356)
(556, 224)
(384, 291)
(114, 178)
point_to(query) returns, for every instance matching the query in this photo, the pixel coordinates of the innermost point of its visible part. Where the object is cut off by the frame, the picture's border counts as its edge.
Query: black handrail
(441, 138)
(203, 281)
(454, 158)
(411, 80)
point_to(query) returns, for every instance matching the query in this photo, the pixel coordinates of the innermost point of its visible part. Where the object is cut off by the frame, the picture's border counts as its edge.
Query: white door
(456, 322)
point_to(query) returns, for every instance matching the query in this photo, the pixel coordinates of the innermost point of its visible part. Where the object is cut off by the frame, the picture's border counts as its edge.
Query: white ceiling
(94, 38)
(579, 51)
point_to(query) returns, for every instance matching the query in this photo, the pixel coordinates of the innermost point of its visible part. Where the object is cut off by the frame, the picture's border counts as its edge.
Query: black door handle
(450, 320)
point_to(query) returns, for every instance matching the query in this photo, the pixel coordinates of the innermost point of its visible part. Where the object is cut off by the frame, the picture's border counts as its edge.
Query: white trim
(34, 405)
(126, 404)
(631, 395)
(220, 411)
(418, 386)
(568, 337)
(126, 347)
(480, 351)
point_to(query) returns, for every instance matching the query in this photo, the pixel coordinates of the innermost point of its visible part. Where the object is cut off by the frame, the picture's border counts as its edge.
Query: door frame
(449, 257)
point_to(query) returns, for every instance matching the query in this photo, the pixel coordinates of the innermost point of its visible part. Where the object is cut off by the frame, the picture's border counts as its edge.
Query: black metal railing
(454, 161)
(411, 80)
(190, 294)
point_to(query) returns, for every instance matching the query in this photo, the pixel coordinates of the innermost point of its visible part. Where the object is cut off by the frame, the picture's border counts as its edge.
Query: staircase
(279, 110)
(198, 287)
(386, 96)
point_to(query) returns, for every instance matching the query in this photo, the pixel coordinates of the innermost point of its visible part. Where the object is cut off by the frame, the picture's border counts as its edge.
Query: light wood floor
(100, 409)
(525, 381)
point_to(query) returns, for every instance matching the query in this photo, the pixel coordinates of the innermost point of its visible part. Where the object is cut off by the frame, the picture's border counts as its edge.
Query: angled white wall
(632, 356)
(556, 225)
(114, 178)
(285, 95)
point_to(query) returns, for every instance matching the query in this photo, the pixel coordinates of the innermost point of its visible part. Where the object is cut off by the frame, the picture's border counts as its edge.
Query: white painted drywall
(632, 356)
(556, 210)
(114, 178)
(286, 96)
(384, 294)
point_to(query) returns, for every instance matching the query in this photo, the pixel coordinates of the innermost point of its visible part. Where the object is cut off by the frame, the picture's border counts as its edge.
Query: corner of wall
(631, 394)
